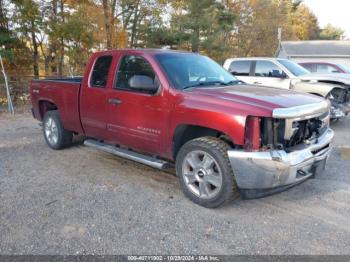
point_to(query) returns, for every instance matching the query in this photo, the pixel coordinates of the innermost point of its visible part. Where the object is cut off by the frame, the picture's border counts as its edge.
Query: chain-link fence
(19, 90)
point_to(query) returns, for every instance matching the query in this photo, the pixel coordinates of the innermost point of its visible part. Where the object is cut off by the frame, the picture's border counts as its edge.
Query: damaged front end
(294, 145)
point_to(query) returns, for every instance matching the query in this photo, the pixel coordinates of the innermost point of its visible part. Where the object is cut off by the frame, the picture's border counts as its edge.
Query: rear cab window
(240, 68)
(99, 74)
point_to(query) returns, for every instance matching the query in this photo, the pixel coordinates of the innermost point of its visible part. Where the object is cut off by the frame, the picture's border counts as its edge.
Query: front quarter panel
(321, 89)
(226, 117)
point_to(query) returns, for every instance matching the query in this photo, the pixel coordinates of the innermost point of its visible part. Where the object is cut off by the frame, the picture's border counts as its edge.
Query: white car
(286, 74)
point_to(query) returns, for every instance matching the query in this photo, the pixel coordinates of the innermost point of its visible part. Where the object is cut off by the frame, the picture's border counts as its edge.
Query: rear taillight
(252, 133)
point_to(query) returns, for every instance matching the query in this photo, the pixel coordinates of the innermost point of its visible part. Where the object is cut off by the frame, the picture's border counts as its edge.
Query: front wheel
(55, 135)
(205, 173)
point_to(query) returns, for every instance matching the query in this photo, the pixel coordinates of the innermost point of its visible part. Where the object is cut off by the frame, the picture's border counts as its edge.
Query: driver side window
(267, 69)
(130, 66)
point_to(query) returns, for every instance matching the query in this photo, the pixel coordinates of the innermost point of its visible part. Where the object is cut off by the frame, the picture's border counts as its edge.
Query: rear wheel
(55, 135)
(205, 173)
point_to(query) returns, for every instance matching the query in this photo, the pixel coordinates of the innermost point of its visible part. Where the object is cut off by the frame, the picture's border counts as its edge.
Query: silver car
(286, 74)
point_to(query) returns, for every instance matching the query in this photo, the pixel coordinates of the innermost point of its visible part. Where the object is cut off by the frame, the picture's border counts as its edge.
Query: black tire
(64, 137)
(217, 149)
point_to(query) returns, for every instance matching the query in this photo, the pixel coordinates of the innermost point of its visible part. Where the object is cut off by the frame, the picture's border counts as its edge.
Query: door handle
(257, 83)
(114, 101)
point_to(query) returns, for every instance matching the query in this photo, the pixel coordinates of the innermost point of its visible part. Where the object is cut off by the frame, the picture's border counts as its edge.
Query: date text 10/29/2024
(174, 258)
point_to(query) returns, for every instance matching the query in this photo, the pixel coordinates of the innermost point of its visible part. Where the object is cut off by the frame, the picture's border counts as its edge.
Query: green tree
(219, 37)
(8, 39)
(256, 30)
(191, 23)
(202, 25)
(50, 48)
(142, 20)
(16, 56)
(304, 23)
(27, 14)
(331, 32)
(109, 7)
(79, 39)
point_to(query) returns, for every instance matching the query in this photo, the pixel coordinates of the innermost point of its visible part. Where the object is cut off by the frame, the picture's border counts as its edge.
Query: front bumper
(271, 171)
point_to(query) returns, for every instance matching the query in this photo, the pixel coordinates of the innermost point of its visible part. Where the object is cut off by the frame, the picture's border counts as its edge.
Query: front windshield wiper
(234, 82)
(210, 83)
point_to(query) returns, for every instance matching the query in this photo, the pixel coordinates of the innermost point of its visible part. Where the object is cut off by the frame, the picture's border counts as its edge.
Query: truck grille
(306, 130)
(277, 133)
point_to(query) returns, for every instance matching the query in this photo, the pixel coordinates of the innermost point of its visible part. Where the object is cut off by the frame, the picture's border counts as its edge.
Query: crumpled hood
(337, 77)
(262, 97)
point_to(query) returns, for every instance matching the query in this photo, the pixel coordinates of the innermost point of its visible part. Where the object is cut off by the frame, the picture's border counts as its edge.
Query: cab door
(137, 118)
(267, 73)
(93, 97)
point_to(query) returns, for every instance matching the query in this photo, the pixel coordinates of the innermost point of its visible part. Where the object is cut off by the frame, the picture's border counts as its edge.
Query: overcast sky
(335, 12)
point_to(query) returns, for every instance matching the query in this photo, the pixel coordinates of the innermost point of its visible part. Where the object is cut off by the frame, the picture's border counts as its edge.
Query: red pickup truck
(160, 107)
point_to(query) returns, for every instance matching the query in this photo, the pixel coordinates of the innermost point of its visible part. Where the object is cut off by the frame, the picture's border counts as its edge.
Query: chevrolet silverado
(162, 107)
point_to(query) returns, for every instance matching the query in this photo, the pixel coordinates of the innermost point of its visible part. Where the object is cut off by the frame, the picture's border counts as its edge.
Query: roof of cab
(144, 51)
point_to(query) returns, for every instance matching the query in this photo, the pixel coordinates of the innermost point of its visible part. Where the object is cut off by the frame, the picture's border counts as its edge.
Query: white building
(337, 52)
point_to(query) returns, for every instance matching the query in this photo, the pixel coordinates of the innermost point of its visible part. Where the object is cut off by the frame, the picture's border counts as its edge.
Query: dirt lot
(81, 201)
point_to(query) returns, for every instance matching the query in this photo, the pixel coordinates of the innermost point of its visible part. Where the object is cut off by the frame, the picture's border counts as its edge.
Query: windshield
(193, 70)
(345, 68)
(294, 68)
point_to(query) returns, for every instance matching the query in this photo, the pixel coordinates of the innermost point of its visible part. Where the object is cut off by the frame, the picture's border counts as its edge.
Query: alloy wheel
(202, 174)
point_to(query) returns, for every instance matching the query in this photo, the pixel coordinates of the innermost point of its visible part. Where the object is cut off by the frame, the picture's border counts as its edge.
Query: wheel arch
(335, 89)
(316, 94)
(46, 105)
(186, 132)
(334, 82)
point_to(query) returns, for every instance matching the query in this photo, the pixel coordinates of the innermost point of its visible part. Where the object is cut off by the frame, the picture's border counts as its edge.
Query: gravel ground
(82, 201)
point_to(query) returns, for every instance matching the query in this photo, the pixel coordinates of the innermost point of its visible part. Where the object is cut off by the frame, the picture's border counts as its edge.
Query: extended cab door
(93, 97)
(137, 118)
(267, 73)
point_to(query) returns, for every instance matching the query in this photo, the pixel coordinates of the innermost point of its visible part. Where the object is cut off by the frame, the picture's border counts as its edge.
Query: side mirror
(284, 75)
(278, 74)
(142, 82)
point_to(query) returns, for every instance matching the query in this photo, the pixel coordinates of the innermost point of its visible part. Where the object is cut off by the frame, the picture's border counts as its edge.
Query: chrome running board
(131, 155)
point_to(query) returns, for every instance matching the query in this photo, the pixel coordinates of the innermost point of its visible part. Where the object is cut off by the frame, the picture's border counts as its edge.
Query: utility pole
(279, 38)
(8, 94)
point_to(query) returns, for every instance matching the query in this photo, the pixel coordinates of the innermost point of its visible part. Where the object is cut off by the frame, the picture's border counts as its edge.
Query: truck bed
(63, 93)
(77, 79)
